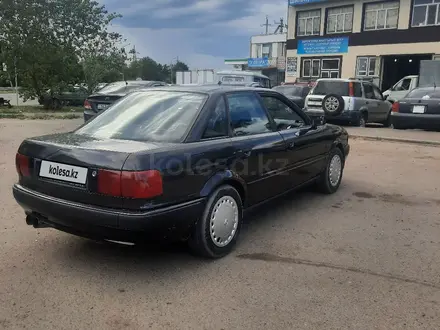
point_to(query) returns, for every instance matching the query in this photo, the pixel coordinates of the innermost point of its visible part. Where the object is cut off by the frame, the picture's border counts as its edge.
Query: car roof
(208, 89)
(242, 73)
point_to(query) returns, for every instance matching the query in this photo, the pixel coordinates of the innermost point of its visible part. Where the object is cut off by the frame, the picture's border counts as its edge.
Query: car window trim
(228, 121)
(285, 100)
(365, 93)
(269, 117)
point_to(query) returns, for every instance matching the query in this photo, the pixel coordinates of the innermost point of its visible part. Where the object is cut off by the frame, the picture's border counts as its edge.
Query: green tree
(49, 41)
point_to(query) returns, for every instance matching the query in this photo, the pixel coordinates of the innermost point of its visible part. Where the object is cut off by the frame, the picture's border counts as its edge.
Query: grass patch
(41, 116)
(38, 109)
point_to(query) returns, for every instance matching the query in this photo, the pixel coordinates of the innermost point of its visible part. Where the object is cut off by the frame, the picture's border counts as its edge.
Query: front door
(306, 146)
(259, 150)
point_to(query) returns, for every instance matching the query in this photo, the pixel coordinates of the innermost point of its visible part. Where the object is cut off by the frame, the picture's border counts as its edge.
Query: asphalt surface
(367, 257)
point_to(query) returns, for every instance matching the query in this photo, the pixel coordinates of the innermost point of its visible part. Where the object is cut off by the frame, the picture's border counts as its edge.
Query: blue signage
(303, 2)
(258, 62)
(323, 46)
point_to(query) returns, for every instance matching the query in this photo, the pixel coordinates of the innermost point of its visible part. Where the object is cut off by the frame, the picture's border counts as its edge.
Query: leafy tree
(179, 66)
(49, 41)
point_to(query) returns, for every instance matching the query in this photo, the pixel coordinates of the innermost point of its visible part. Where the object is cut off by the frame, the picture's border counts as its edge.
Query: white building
(267, 55)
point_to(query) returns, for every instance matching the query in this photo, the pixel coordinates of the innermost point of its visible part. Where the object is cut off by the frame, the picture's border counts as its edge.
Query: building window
(340, 20)
(426, 13)
(314, 68)
(267, 50)
(380, 16)
(366, 66)
(309, 23)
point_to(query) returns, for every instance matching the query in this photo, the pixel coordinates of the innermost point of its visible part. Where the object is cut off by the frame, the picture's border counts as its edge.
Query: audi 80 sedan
(176, 162)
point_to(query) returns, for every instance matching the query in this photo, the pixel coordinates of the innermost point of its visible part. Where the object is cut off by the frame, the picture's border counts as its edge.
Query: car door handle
(291, 145)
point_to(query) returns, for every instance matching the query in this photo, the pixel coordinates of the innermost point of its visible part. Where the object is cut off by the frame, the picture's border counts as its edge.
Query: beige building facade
(381, 40)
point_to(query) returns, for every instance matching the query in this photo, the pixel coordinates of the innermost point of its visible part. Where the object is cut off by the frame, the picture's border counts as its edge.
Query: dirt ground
(367, 257)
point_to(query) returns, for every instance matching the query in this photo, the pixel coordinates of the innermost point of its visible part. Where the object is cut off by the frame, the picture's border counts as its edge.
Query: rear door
(259, 150)
(306, 148)
(371, 102)
(384, 107)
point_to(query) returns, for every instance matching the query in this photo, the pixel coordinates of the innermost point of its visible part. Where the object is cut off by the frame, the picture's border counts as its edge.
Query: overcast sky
(201, 32)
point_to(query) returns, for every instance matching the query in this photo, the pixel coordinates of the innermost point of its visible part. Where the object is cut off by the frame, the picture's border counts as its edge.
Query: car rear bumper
(94, 222)
(89, 114)
(412, 120)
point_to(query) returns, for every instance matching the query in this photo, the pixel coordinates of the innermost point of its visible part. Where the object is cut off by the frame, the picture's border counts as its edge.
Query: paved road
(367, 257)
(13, 98)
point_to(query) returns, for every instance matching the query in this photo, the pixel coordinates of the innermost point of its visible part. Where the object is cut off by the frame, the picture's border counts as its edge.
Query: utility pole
(267, 24)
(16, 79)
(280, 26)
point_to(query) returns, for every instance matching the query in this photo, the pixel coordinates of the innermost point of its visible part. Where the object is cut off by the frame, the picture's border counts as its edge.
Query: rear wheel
(361, 121)
(216, 233)
(330, 179)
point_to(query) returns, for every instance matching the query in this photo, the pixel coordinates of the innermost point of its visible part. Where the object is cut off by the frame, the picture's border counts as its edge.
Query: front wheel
(216, 233)
(330, 179)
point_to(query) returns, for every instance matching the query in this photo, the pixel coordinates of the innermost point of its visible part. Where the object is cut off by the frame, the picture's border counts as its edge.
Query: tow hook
(35, 221)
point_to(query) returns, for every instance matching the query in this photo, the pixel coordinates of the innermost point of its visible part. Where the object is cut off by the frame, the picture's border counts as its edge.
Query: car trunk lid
(420, 106)
(66, 166)
(100, 102)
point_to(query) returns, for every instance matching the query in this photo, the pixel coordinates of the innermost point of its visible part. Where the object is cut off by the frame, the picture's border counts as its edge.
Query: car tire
(330, 179)
(394, 126)
(216, 237)
(333, 105)
(362, 120)
(387, 123)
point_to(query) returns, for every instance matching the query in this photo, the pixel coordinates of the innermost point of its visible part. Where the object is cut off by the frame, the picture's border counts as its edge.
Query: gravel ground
(367, 257)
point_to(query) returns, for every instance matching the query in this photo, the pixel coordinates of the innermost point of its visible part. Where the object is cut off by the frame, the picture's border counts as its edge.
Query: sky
(201, 33)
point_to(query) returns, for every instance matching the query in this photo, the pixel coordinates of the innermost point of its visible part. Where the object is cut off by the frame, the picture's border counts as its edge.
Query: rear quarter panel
(186, 168)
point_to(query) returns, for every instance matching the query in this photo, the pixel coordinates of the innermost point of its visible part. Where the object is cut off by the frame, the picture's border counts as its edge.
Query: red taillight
(350, 89)
(395, 107)
(22, 163)
(109, 182)
(87, 105)
(143, 184)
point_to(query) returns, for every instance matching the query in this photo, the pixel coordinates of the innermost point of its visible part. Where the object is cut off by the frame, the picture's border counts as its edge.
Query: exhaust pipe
(33, 220)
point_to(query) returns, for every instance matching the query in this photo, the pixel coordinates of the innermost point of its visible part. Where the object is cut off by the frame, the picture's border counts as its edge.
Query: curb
(399, 140)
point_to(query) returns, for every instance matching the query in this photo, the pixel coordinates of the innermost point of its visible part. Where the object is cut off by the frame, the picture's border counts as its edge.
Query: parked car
(100, 86)
(296, 93)
(351, 101)
(112, 92)
(73, 95)
(420, 108)
(180, 162)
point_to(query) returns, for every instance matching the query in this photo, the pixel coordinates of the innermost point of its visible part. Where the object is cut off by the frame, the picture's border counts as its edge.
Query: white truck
(429, 76)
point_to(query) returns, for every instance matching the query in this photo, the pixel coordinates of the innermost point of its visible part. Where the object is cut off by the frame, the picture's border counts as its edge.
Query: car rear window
(161, 116)
(120, 88)
(290, 90)
(325, 87)
(423, 92)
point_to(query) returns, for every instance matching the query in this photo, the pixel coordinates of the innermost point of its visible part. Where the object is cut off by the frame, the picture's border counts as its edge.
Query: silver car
(352, 101)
